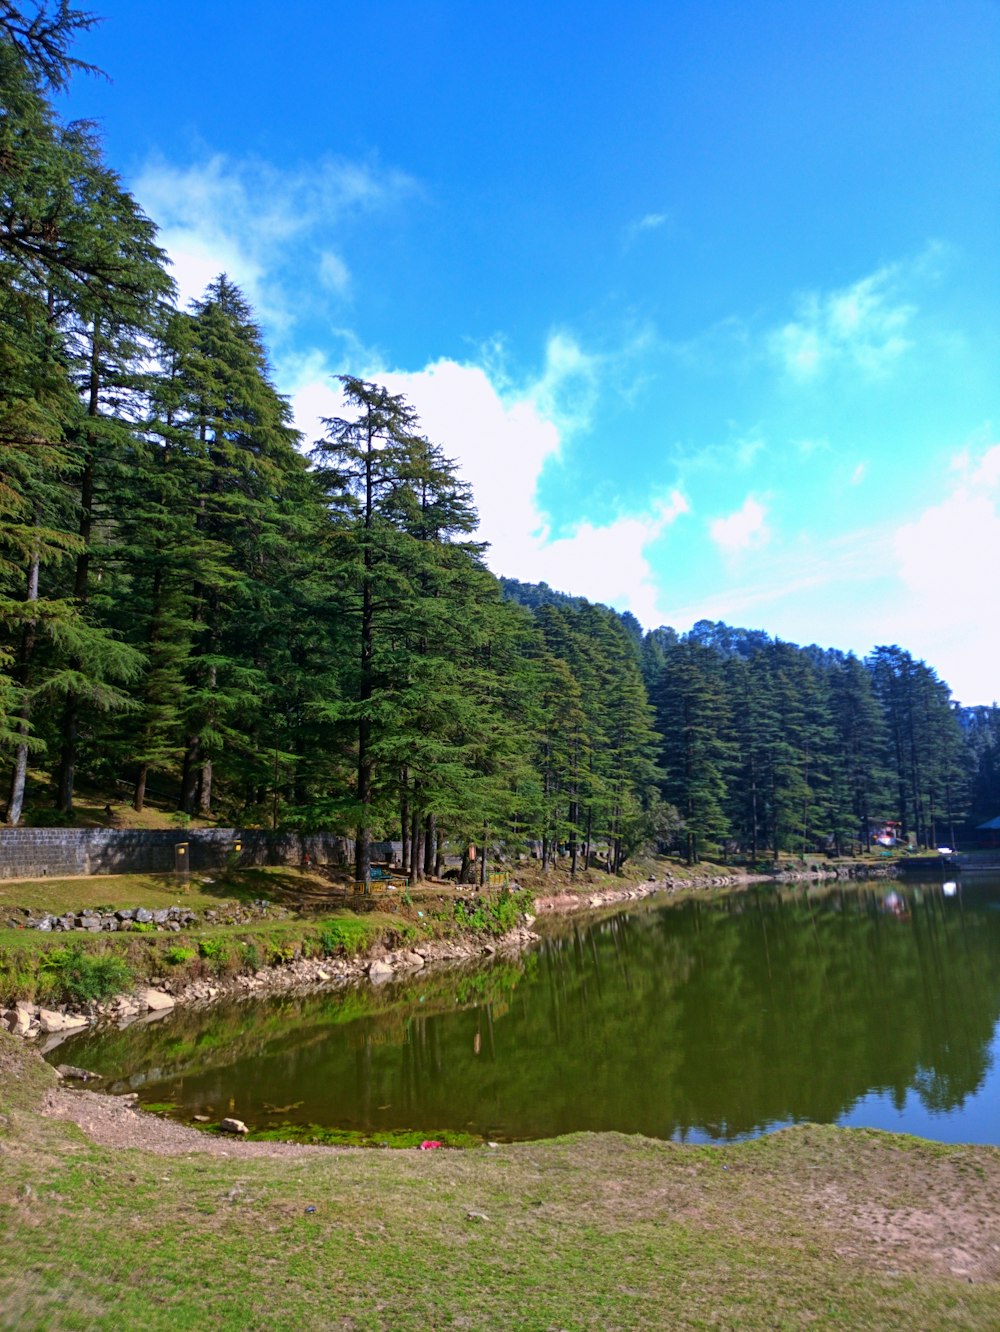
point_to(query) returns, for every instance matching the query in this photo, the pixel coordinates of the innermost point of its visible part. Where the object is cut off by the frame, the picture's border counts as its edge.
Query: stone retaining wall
(30, 853)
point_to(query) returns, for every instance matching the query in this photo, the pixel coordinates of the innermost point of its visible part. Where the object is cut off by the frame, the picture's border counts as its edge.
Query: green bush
(212, 950)
(76, 977)
(178, 955)
(331, 939)
(251, 956)
(492, 916)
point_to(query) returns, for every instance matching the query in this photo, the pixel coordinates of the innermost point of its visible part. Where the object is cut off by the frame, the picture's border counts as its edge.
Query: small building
(986, 836)
(885, 832)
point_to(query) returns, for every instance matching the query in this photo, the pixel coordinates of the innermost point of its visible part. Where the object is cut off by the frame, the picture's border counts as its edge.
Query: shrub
(331, 940)
(178, 955)
(496, 916)
(251, 956)
(81, 978)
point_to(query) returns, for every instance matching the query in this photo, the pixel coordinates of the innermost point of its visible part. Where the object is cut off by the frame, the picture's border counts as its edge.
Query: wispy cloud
(260, 223)
(864, 326)
(744, 530)
(333, 272)
(648, 222)
(738, 453)
(926, 581)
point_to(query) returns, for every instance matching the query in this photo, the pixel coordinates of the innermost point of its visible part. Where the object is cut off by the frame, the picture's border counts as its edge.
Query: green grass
(593, 1231)
(28, 969)
(209, 891)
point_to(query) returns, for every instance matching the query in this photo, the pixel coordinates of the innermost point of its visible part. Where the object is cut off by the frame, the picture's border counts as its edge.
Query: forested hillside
(283, 632)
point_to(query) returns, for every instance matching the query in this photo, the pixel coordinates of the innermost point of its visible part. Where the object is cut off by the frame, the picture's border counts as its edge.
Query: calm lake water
(875, 1005)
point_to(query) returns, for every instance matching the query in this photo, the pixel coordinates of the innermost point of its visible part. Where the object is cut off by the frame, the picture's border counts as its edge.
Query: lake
(711, 1019)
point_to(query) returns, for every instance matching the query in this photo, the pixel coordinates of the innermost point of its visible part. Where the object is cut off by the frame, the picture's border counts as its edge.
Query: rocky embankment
(173, 919)
(380, 965)
(564, 902)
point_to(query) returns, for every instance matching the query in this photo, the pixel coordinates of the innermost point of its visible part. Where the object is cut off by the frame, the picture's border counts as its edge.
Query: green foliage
(179, 954)
(213, 950)
(74, 976)
(492, 915)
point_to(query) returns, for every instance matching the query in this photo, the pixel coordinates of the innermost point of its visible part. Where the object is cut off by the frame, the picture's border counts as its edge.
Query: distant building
(885, 832)
(987, 835)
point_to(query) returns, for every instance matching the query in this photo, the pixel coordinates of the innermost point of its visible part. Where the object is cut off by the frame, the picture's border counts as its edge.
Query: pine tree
(692, 717)
(396, 505)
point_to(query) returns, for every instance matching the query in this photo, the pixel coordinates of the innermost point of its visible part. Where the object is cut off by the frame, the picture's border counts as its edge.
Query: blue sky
(704, 298)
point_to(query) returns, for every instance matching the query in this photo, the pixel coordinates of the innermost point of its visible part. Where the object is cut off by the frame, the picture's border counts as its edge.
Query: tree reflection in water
(713, 1018)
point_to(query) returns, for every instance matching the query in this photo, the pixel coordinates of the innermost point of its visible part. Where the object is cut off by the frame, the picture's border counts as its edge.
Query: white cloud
(649, 222)
(859, 474)
(333, 273)
(502, 436)
(808, 448)
(249, 218)
(947, 559)
(927, 583)
(744, 530)
(863, 326)
(566, 390)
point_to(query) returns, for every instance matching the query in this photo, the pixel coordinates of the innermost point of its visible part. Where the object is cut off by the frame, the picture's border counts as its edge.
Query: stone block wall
(31, 853)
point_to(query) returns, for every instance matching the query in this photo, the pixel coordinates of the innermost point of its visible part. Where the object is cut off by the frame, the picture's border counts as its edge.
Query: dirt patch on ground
(954, 1229)
(112, 1121)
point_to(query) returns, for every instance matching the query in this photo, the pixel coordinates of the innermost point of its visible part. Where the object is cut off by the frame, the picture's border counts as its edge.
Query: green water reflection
(712, 1019)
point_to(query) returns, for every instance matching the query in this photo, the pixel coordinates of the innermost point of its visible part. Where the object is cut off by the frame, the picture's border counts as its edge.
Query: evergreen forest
(199, 605)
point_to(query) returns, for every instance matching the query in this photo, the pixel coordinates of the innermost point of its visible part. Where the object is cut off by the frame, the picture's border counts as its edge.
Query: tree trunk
(71, 714)
(15, 801)
(140, 789)
(67, 761)
(189, 775)
(416, 847)
(205, 790)
(574, 815)
(404, 819)
(430, 843)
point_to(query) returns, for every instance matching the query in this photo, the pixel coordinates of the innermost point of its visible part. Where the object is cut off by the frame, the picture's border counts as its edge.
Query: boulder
(70, 1071)
(379, 972)
(18, 1020)
(230, 1125)
(50, 1021)
(156, 1000)
(410, 960)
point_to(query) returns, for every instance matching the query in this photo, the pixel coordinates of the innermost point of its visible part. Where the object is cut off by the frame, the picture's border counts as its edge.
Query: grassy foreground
(811, 1227)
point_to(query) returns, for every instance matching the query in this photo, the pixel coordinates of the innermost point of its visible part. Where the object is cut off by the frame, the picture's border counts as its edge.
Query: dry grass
(813, 1227)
